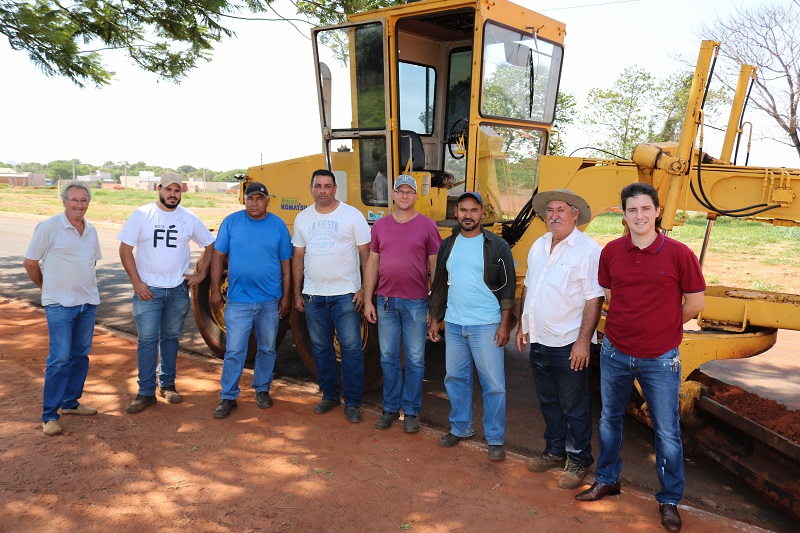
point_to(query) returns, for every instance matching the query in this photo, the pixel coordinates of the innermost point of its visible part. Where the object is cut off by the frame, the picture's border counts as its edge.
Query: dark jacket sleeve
(437, 302)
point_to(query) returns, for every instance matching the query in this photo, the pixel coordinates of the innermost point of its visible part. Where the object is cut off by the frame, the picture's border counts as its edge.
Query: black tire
(373, 376)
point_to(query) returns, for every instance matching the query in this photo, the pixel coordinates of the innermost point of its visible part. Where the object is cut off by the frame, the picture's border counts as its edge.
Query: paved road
(707, 485)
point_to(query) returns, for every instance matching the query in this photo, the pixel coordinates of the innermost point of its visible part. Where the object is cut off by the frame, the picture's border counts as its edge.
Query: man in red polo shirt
(657, 286)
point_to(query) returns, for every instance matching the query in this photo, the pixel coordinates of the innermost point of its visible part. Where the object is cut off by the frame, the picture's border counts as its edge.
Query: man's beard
(164, 202)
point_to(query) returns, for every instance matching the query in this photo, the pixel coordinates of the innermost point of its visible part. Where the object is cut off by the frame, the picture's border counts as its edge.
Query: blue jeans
(160, 324)
(71, 330)
(463, 346)
(660, 380)
(324, 315)
(240, 320)
(400, 319)
(564, 399)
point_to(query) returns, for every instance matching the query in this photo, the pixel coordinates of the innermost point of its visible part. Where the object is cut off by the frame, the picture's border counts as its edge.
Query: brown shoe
(170, 394)
(597, 491)
(670, 518)
(572, 476)
(545, 461)
(80, 409)
(51, 427)
(141, 403)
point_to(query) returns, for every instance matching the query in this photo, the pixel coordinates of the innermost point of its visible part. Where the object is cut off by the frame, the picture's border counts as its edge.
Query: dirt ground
(175, 468)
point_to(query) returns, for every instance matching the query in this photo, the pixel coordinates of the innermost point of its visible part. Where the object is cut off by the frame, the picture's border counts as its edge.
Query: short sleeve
(40, 242)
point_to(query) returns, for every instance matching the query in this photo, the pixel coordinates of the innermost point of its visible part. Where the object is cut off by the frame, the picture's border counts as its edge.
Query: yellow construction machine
(461, 95)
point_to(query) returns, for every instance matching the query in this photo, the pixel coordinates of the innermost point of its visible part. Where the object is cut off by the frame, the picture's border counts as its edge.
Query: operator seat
(410, 146)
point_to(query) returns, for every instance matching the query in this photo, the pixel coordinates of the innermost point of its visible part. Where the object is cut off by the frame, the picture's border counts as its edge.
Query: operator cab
(460, 98)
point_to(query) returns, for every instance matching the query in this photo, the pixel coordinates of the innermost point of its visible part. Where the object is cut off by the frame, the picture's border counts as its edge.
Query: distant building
(21, 179)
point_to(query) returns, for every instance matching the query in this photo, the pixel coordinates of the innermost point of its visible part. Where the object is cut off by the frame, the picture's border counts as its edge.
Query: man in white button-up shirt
(560, 307)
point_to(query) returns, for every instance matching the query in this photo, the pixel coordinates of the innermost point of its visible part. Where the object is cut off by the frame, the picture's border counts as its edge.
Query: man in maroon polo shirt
(657, 286)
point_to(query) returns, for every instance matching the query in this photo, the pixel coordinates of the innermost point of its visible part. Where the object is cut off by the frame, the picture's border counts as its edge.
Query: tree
(620, 115)
(166, 38)
(566, 105)
(640, 108)
(767, 37)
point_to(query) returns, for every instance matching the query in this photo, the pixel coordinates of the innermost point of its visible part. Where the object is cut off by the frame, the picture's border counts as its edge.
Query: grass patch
(729, 235)
(112, 205)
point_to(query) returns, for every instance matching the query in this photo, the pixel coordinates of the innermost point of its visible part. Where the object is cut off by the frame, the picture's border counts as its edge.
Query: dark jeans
(564, 399)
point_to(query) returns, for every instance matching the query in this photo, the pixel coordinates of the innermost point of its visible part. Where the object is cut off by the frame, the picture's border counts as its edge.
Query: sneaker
(224, 408)
(545, 462)
(573, 475)
(497, 452)
(79, 409)
(170, 394)
(410, 424)
(326, 405)
(141, 403)
(263, 400)
(386, 419)
(51, 427)
(353, 414)
(450, 440)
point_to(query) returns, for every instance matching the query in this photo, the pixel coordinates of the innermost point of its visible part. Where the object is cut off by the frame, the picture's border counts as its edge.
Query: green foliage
(229, 175)
(566, 108)
(639, 108)
(336, 11)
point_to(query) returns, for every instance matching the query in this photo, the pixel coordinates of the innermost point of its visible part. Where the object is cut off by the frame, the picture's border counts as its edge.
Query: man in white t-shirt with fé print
(159, 273)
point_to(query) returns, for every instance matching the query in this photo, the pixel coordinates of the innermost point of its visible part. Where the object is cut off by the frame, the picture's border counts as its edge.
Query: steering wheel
(458, 136)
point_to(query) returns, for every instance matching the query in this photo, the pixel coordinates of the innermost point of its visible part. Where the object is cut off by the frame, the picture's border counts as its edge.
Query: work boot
(170, 394)
(545, 461)
(353, 414)
(386, 419)
(410, 424)
(79, 409)
(326, 405)
(141, 403)
(497, 452)
(670, 518)
(51, 427)
(263, 400)
(450, 440)
(573, 475)
(224, 408)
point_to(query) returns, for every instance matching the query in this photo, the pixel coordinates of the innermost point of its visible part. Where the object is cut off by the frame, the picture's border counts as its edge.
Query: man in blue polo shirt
(259, 250)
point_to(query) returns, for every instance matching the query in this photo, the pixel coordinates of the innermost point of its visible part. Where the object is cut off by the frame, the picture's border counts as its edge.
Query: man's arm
(217, 266)
(205, 265)
(370, 282)
(34, 271)
(693, 303)
(286, 283)
(298, 265)
(363, 254)
(504, 331)
(579, 356)
(522, 338)
(129, 264)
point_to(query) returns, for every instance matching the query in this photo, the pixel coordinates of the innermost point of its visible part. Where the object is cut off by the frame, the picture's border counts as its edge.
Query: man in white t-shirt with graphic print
(331, 245)
(159, 273)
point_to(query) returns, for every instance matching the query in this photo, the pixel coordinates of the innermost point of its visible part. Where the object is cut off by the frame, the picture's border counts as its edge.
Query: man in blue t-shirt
(259, 250)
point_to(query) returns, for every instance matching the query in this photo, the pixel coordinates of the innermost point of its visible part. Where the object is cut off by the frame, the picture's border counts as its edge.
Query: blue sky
(256, 100)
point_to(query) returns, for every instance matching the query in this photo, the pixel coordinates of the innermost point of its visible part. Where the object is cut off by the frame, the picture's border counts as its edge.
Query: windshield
(352, 56)
(520, 75)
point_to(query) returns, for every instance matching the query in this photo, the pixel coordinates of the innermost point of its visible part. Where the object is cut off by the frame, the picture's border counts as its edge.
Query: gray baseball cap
(405, 179)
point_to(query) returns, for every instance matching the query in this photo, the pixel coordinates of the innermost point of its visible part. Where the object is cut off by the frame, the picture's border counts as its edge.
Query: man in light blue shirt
(473, 291)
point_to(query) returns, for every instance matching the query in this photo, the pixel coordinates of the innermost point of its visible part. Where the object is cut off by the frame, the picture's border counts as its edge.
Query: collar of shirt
(653, 248)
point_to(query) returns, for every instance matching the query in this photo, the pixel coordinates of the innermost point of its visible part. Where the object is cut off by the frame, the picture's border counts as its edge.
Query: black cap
(256, 188)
